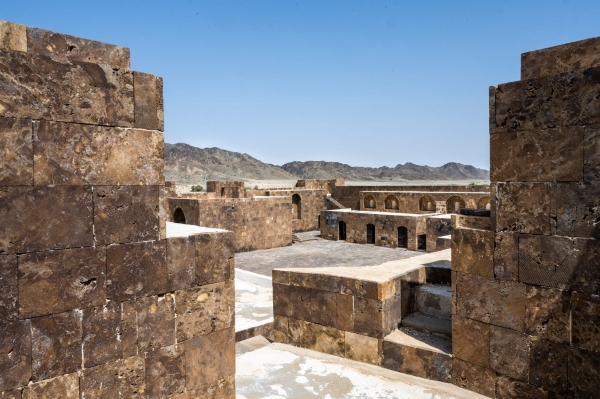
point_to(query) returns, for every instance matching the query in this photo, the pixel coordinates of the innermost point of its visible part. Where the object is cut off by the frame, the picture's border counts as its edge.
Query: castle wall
(312, 202)
(415, 201)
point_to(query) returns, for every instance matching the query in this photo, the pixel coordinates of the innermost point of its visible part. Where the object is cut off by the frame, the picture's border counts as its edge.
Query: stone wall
(416, 201)
(257, 223)
(312, 202)
(227, 189)
(89, 278)
(435, 227)
(526, 293)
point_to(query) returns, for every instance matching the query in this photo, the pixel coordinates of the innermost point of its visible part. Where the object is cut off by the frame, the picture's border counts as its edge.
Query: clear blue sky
(368, 83)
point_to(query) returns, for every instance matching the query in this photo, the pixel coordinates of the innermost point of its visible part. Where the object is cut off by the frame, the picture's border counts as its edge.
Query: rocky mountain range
(187, 164)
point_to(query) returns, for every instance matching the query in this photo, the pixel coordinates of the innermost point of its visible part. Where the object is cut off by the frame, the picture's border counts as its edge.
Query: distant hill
(187, 164)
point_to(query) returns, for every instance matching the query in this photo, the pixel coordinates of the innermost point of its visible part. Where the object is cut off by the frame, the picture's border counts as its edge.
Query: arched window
(297, 206)
(370, 233)
(454, 204)
(391, 202)
(369, 202)
(484, 203)
(427, 203)
(179, 216)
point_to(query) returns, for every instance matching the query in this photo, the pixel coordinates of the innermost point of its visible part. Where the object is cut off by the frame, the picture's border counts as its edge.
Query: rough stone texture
(345, 312)
(501, 303)
(80, 92)
(64, 387)
(210, 359)
(368, 318)
(311, 202)
(362, 348)
(65, 212)
(136, 269)
(506, 256)
(124, 214)
(156, 322)
(548, 314)
(9, 288)
(214, 258)
(548, 365)
(113, 156)
(473, 252)
(129, 333)
(591, 153)
(16, 158)
(223, 389)
(292, 301)
(578, 209)
(507, 388)
(556, 153)
(102, 341)
(471, 341)
(205, 309)
(15, 354)
(148, 97)
(472, 377)
(181, 262)
(316, 337)
(584, 373)
(416, 361)
(65, 48)
(57, 281)
(509, 353)
(13, 36)
(562, 58)
(56, 345)
(586, 321)
(165, 371)
(524, 207)
(12, 394)
(323, 307)
(120, 379)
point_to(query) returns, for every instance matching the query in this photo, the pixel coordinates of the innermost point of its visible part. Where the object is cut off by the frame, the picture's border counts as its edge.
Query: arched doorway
(402, 237)
(454, 204)
(391, 202)
(179, 216)
(370, 233)
(297, 206)
(369, 202)
(342, 231)
(427, 203)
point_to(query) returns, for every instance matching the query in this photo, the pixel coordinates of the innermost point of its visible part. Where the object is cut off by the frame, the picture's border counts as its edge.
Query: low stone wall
(437, 226)
(411, 201)
(312, 202)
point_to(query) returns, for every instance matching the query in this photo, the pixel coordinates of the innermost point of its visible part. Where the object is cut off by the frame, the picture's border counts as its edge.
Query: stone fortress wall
(97, 300)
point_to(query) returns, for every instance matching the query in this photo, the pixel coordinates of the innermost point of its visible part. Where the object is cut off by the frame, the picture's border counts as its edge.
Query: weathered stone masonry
(97, 300)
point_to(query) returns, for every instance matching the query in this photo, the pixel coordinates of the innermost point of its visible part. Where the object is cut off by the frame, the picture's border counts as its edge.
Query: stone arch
(484, 203)
(179, 216)
(369, 202)
(391, 202)
(427, 203)
(297, 206)
(454, 204)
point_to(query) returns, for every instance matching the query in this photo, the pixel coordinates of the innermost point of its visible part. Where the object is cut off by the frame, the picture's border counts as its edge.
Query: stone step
(428, 324)
(434, 300)
(416, 353)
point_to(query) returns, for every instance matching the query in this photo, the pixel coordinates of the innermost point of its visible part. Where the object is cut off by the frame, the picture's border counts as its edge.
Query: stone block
(473, 252)
(118, 379)
(202, 310)
(135, 270)
(65, 212)
(57, 281)
(281, 332)
(360, 288)
(15, 354)
(344, 319)
(506, 256)
(129, 332)
(210, 359)
(509, 353)
(13, 36)
(471, 341)
(56, 345)
(9, 288)
(586, 321)
(149, 103)
(77, 154)
(323, 307)
(156, 322)
(548, 365)
(165, 372)
(102, 341)
(63, 387)
(368, 317)
(77, 92)
(316, 337)
(181, 262)
(584, 373)
(362, 348)
(213, 254)
(563, 58)
(492, 109)
(524, 208)
(132, 373)
(566, 99)
(12, 394)
(549, 155)
(501, 303)
(292, 301)
(280, 277)
(474, 378)
(16, 158)
(224, 389)
(548, 314)
(65, 48)
(124, 214)
(507, 388)
(578, 209)
(591, 154)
